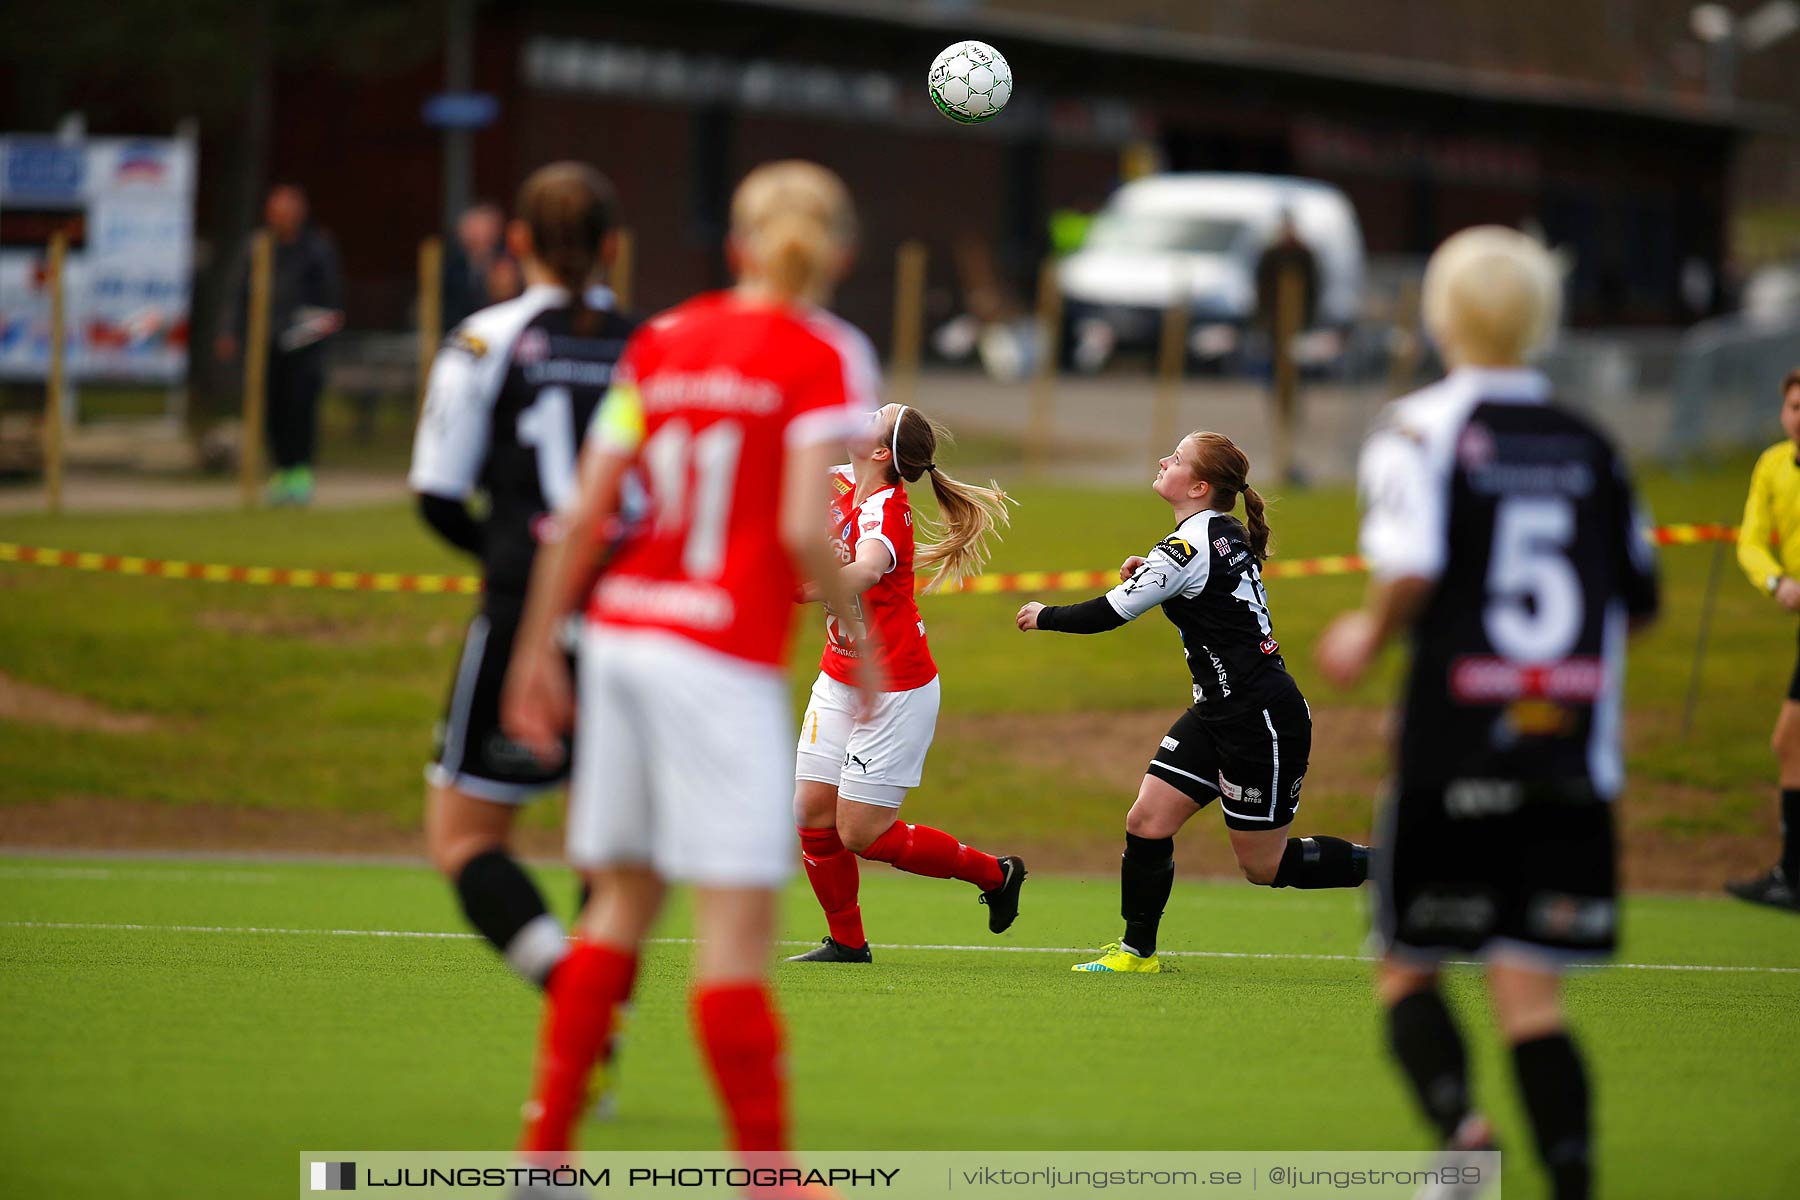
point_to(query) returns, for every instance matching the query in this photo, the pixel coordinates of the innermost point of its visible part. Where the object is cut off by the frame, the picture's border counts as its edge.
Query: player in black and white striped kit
(1246, 740)
(512, 391)
(1502, 535)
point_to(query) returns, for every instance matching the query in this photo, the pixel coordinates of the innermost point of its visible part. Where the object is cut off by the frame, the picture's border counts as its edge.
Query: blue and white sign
(129, 273)
(461, 110)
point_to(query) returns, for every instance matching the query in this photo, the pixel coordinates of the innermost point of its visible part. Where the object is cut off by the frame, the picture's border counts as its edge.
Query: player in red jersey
(854, 764)
(731, 407)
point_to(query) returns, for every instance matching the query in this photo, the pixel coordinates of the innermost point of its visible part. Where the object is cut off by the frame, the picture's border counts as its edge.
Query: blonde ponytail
(795, 250)
(970, 514)
(790, 219)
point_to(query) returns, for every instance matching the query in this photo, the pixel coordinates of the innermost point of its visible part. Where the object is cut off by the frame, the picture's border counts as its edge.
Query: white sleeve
(1174, 567)
(871, 526)
(1404, 506)
(452, 440)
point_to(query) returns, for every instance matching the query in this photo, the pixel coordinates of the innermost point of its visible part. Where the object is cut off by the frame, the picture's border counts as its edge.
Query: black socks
(1322, 862)
(503, 904)
(1555, 1090)
(1146, 873)
(1552, 1083)
(1790, 835)
(1425, 1040)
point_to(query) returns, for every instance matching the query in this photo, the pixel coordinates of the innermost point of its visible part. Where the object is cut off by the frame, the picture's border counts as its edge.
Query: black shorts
(1252, 764)
(1484, 864)
(1794, 683)
(474, 755)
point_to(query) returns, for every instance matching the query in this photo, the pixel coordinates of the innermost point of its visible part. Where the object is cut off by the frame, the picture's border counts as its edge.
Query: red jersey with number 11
(888, 608)
(724, 389)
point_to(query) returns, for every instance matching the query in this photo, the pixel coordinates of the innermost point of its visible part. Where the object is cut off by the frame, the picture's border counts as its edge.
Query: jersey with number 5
(512, 391)
(1524, 517)
(723, 391)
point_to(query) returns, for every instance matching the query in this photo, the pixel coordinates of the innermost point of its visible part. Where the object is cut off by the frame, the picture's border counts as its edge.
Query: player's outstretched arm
(1350, 644)
(1144, 583)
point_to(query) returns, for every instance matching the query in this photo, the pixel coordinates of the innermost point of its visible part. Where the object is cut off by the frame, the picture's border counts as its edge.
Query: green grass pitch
(136, 1052)
(133, 1054)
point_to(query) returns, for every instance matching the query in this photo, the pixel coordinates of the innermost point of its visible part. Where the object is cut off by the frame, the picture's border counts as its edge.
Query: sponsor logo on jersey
(1179, 549)
(1571, 918)
(1475, 448)
(843, 485)
(1147, 576)
(871, 523)
(467, 342)
(1439, 910)
(1223, 546)
(1486, 679)
(533, 347)
(1219, 669)
(1170, 743)
(1269, 646)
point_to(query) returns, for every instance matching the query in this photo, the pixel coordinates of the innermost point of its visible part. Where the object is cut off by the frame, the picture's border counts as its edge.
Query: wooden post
(431, 313)
(1403, 364)
(53, 378)
(909, 321)
(1171, 359)
(1289, 302)
(1707, 604)
(256, 366)
(623, 264)
(1039, 426)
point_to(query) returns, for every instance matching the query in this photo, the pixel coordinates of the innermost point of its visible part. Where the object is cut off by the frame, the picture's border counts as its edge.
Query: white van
(1207, 229)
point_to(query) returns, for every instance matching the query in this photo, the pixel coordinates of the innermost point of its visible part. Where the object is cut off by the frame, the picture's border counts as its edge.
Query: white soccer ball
(970, 82)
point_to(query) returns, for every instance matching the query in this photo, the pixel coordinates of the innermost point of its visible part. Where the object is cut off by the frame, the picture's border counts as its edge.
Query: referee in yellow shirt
(1769, 551)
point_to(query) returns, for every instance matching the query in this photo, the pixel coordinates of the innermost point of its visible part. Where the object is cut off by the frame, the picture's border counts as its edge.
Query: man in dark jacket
(305, 308)
(1287, 265)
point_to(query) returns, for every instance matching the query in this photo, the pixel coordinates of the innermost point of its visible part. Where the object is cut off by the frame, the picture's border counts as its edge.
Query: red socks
(831, 870)
(584, 993)
(738, 1028)
(923, 850)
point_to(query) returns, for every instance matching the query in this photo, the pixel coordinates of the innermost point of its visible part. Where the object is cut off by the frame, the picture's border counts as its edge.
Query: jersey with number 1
(512, 391)
(724, 390)
(888, 613)
(1522, 515)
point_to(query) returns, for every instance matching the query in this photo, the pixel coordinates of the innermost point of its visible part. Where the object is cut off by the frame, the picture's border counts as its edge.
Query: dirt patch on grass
(1675, 838)
(97, 823)
(30, 704)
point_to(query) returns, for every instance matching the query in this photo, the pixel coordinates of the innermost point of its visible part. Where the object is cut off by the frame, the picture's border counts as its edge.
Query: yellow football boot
(1118, 960)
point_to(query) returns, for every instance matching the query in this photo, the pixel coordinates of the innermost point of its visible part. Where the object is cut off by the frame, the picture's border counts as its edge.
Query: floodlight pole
(459, 78)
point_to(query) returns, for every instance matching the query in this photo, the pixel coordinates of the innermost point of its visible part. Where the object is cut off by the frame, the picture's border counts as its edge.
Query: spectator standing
(478, 271)
(305, 308)
(1287, 299)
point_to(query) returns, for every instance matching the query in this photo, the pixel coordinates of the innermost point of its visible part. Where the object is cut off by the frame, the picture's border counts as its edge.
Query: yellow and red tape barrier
(468, 585)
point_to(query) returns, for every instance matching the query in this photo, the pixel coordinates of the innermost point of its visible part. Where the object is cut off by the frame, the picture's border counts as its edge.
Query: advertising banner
(127, 206)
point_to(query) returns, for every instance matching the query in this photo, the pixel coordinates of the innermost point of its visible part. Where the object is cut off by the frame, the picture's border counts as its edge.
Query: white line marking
(942, 946)
(133, 875)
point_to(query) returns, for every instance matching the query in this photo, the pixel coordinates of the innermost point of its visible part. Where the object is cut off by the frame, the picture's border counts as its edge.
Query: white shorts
(680, 762)
(875, 760)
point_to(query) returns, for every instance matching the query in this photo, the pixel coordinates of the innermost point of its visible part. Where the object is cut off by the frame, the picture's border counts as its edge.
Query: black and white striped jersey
(1523, 516)
(1206, 579)
(511, 394)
